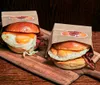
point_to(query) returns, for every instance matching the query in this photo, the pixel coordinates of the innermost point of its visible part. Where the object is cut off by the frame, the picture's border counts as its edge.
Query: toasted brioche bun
(71, 45)
(71, 64)
(25, 27)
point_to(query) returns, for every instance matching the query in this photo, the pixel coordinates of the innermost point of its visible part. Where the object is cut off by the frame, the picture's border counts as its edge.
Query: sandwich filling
(68, 55)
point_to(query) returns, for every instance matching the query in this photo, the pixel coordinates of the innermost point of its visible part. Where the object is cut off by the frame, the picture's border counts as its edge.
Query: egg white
(73, 55)
(10, 39)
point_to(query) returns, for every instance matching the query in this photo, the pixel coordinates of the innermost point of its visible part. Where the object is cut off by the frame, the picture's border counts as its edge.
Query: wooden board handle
(93, 73)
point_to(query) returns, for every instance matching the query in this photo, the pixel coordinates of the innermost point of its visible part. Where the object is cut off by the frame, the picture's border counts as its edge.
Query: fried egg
(67, 55)
(19, 40)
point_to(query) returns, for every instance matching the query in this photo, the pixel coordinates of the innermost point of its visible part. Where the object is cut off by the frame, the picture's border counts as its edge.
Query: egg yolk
(63, 53)
(22, 39)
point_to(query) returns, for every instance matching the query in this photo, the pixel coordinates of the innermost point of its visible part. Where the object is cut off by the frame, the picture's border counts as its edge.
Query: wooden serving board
(39, 65)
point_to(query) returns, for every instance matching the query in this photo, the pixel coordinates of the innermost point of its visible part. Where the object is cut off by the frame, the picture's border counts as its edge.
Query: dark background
(81, 12)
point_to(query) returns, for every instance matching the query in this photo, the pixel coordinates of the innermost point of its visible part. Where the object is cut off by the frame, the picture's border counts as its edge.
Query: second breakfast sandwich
(70, 48)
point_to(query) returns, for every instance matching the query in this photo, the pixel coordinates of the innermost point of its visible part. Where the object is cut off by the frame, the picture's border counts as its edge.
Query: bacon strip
(87, 57)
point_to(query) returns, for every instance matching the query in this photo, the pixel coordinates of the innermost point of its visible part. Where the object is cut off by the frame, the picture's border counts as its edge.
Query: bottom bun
(17, 50)
(71, 64)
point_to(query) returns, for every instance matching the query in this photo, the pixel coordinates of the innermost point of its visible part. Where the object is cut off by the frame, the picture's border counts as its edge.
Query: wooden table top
(14, 75)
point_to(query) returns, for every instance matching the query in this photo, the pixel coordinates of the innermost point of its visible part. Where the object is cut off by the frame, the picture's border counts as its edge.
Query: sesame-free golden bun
(77, 63)
(25, 27)
(68, 55)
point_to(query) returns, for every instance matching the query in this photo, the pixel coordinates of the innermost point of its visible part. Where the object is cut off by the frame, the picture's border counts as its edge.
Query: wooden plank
(43, 69)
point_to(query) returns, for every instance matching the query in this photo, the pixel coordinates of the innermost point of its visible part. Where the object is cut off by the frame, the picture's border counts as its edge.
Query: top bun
(25, 27)
(70, 45)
